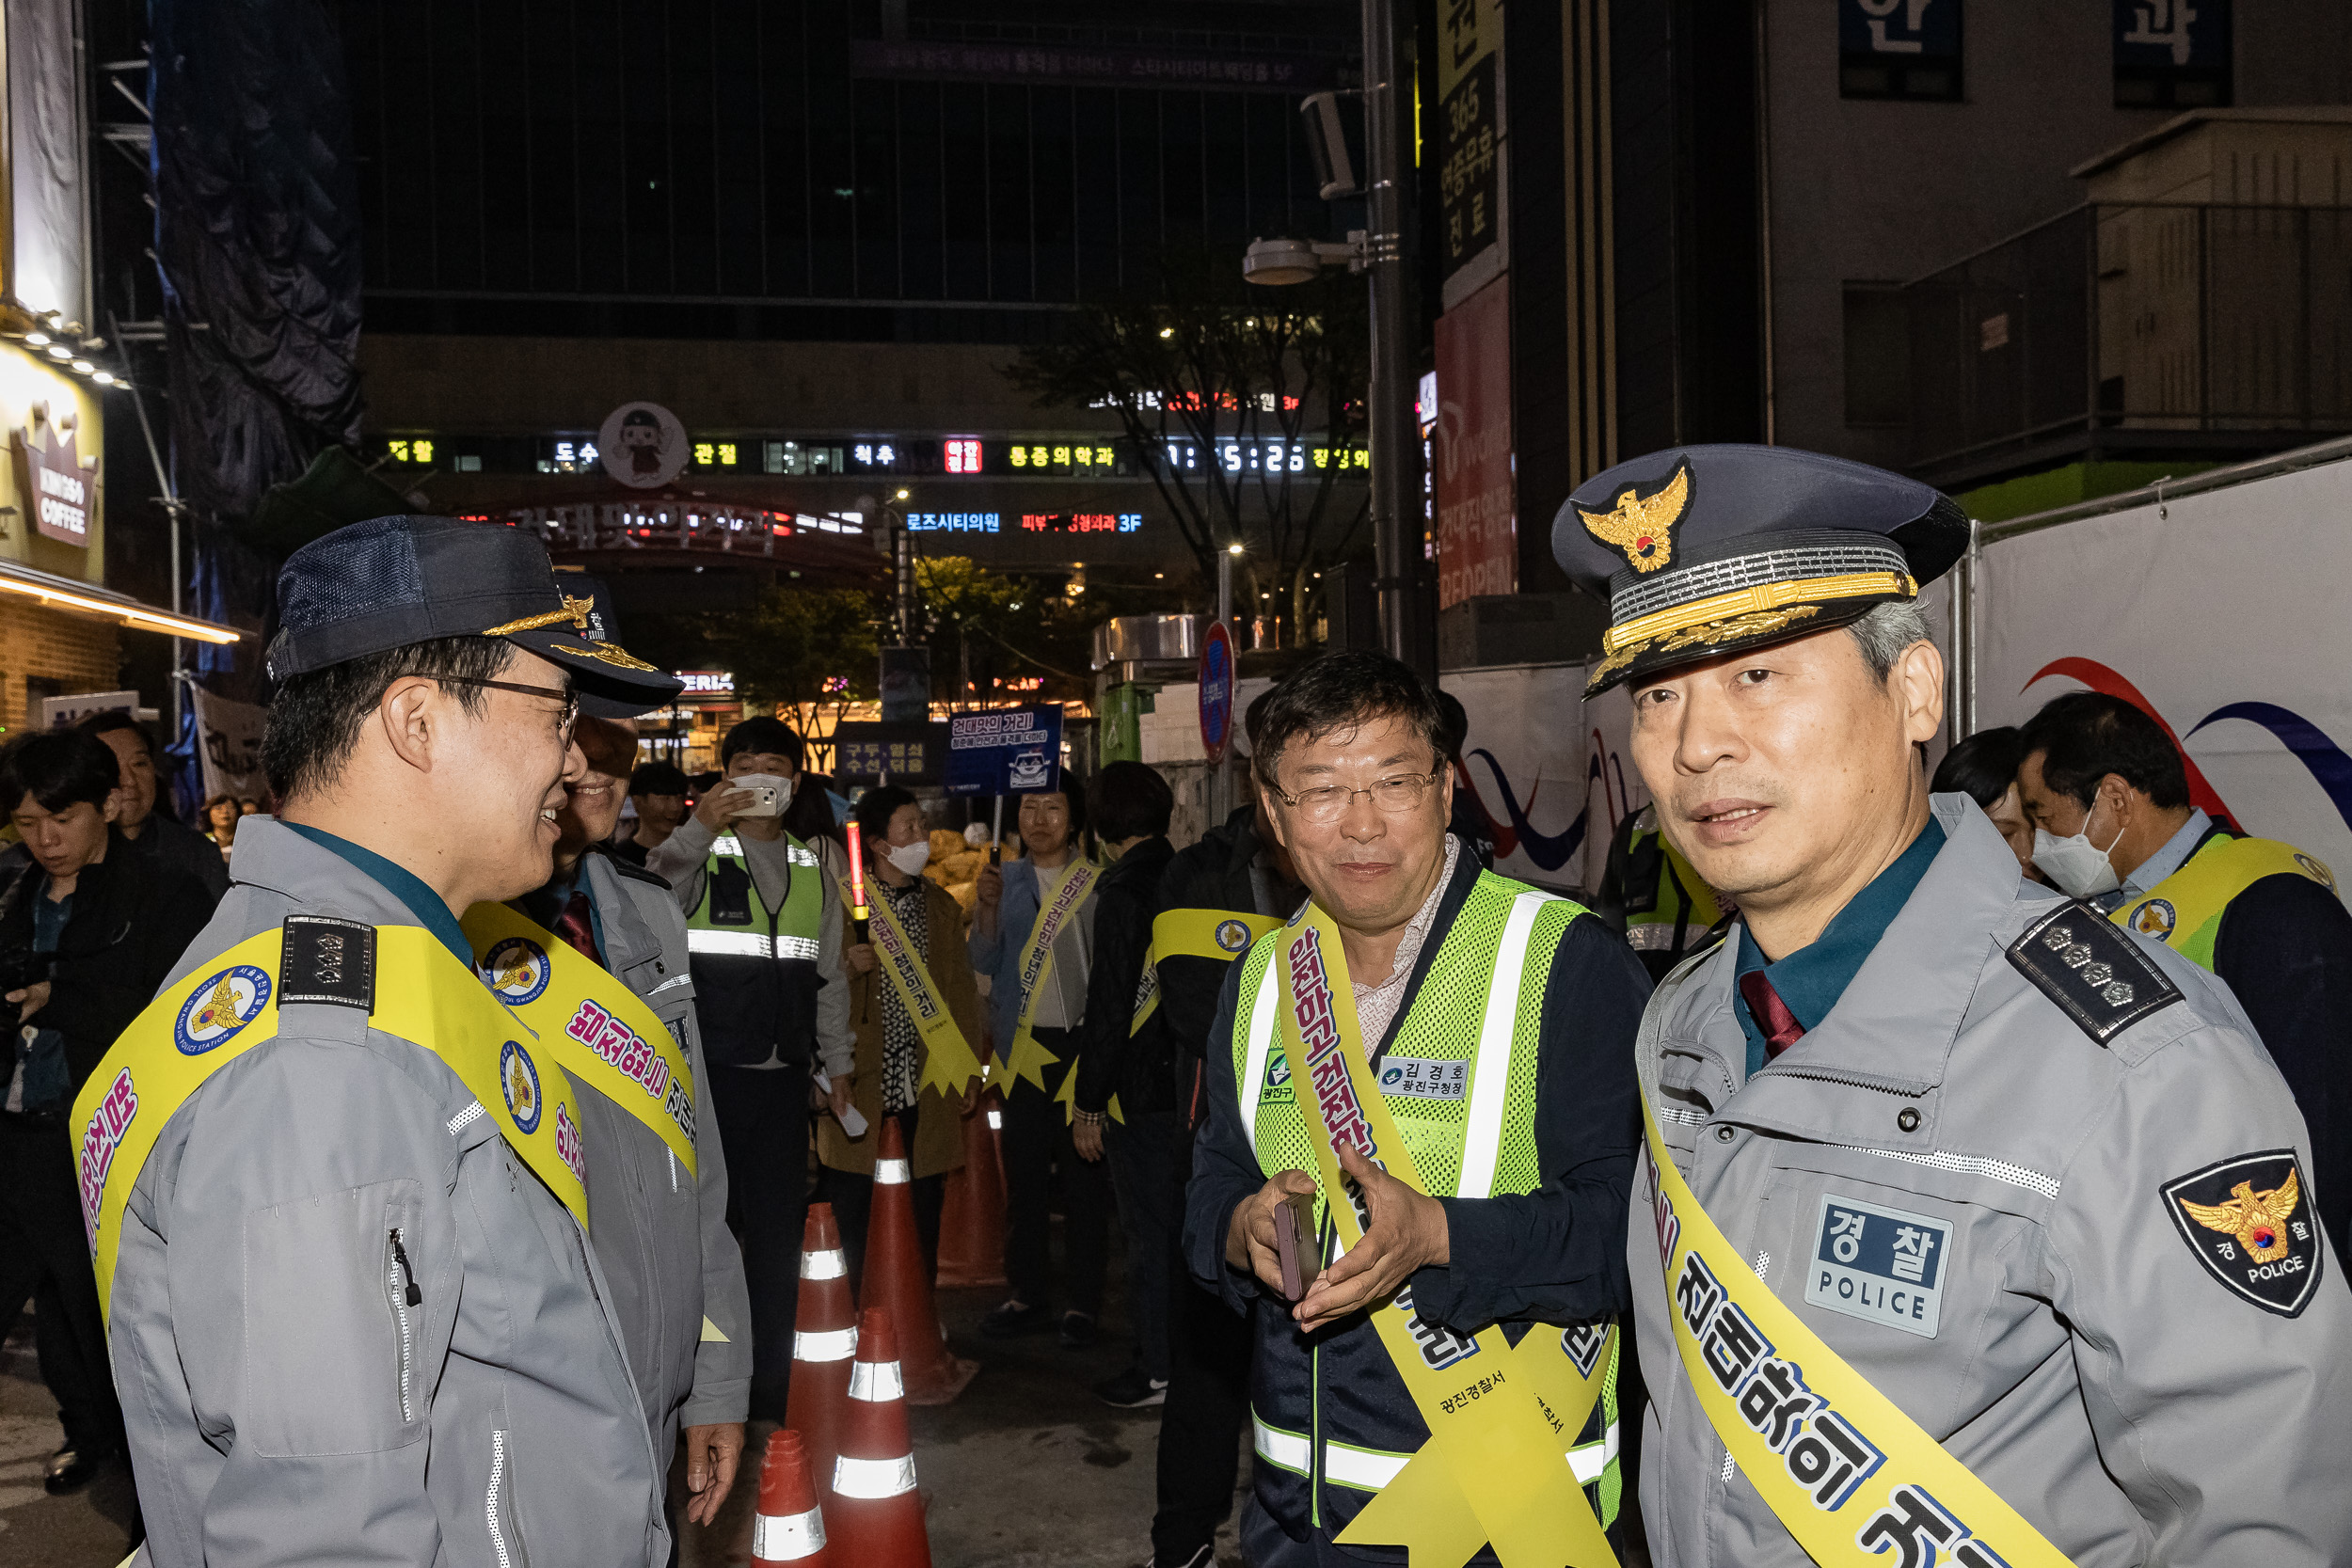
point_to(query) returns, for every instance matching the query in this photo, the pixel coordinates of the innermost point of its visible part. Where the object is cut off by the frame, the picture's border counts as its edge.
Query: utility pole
(1222, 778)
(1395, 447)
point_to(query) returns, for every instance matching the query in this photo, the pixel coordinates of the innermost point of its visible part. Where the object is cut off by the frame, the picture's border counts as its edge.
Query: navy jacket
(1555, 1255)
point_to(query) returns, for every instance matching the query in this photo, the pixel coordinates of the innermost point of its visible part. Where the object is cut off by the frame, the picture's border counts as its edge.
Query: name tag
(1880, 1265)
(1421, 1078)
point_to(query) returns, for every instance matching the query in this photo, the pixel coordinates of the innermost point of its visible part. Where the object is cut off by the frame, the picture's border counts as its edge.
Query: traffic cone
(824, 1339)
(972, 1218)
(876, 1513)
(897, 1280)
(789, 1527)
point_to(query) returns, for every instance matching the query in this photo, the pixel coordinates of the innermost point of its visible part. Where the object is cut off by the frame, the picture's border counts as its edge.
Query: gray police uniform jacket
(2122, 1373)
(661, 1235)
(282, 1407)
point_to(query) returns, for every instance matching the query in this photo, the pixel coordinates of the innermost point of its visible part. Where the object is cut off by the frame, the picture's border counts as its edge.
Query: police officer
(1437, 1059)
(1981, 1228)
(334, 1185)
(675, 1270)
(764, 931)
(2107, 795)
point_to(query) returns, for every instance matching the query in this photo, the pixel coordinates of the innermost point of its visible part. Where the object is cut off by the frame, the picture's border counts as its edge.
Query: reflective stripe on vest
(792, 928)
(1370, 1470)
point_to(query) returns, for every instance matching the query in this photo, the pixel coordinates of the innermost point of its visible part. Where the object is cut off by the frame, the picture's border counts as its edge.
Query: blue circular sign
(1216, 691)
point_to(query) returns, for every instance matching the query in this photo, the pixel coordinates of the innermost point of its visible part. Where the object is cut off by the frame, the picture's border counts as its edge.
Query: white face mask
(2076, 865)
(911, 858)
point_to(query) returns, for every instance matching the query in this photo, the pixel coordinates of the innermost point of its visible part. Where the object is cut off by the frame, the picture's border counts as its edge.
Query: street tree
(1244, 403)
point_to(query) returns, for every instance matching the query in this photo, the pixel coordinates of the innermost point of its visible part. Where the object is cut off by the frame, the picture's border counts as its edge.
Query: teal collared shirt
(1811, 979)
(432, 913)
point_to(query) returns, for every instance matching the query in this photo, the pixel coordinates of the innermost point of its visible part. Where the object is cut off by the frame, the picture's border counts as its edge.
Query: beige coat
(938, 1128)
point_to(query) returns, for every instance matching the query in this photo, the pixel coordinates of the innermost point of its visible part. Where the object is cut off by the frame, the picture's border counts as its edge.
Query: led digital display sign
(1081, 522)
(1238, 456)
(952, 522)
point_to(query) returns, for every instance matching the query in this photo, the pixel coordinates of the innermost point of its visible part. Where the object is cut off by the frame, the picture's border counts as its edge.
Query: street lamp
(1378, 252)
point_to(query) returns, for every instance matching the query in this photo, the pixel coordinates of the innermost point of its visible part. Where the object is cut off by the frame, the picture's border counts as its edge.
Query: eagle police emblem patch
(519, 1078)
(1231, 935)
(1644, 525)
(2156, 918)
(219, 1008)
(2246, 1222)
(518, 970)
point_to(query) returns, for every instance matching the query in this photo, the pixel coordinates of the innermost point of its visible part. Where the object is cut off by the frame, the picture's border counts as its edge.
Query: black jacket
(1212, 873)
(2285, 948)
(1140, 1068)
(132, 919)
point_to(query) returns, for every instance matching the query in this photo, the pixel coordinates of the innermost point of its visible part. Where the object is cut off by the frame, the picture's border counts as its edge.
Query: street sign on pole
(1216, 691)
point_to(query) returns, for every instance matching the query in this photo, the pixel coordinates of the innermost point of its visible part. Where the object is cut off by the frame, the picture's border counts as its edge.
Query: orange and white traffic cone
(897, 1280)
(788, 1527)
(972, 1218)
(824, 1339)
(875, 1512)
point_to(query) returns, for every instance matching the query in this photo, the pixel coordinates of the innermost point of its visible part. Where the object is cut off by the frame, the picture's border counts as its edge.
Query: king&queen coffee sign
(60, 493)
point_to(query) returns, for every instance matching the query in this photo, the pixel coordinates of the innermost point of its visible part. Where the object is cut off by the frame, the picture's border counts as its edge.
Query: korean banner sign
(1004, 752)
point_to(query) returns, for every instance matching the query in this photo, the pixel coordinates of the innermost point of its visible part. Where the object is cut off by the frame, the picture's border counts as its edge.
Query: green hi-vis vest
(1462, 1094)
(2184, 909)
(1667, 906)
(731, 920)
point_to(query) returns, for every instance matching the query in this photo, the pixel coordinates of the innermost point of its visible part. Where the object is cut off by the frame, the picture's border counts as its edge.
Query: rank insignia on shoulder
(2246, 1222)
(329, 961)
(2079, 959)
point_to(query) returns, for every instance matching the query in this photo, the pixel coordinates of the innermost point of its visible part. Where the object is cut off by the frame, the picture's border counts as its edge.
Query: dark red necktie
(575, 926)
(1780, 1027)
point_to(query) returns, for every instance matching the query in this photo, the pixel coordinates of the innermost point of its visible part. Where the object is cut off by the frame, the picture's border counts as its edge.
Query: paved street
(1027, 1470)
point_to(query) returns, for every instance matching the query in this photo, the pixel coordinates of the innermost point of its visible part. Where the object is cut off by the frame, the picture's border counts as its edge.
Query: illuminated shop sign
(1081, 522)
(1238, 456)
(952, 522)
(707, 683)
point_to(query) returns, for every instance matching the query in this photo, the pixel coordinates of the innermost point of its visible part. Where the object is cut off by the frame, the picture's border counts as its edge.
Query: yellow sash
(1220, 934)
(598, 1029)
(1501, 1418)
(949, 1062)
(1850, 1476)
(423, 995)
(1025, 1057)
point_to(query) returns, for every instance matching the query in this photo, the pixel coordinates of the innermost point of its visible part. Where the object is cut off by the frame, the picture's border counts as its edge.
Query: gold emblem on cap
(1644, 525)
(574, 611)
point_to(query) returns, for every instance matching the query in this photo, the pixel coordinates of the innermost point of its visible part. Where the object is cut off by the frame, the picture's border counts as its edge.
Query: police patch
(2078, 960)
(2156, 918)
(519, 1078)
(1882, 1265)
(2247, 1222)
(219, 1008)
(2317, 872)
(327, 961)
(518, 970)
(1231, 935)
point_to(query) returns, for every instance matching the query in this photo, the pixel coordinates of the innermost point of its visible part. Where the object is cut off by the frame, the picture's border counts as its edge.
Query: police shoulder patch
(2076, 957)
(329, 960)
(2248, 1221)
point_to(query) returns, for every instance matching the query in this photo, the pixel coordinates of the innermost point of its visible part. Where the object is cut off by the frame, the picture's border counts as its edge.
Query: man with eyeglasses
(1433, 1062)
(335, 1183)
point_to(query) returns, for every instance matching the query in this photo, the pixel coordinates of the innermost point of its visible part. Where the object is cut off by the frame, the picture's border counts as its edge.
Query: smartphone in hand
(1294, 1243)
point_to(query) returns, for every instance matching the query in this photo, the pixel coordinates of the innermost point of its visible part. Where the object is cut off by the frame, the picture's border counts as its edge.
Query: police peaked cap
(1700, 551)
(391, 581)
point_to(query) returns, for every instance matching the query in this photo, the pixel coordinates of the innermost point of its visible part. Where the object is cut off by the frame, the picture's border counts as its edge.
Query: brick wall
(77, 652)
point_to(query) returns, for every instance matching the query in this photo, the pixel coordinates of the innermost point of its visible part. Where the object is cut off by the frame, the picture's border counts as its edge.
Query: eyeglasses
(569, 699)
(1330, 803)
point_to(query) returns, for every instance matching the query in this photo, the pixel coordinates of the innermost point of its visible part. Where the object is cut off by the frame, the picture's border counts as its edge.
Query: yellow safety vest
(2184, 909)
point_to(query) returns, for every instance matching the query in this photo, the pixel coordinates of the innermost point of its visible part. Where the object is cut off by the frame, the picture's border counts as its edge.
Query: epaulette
(326, 959)
(2083, 961)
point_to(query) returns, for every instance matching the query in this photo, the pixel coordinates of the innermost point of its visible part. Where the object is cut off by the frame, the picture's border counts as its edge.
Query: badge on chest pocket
(1882, 1265)
(1423, 1078)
